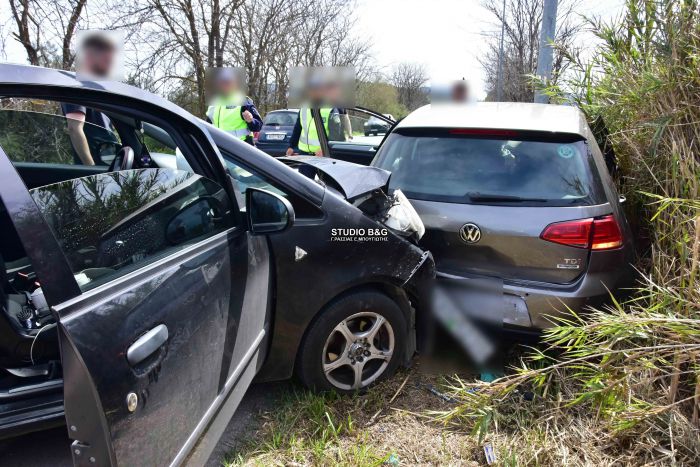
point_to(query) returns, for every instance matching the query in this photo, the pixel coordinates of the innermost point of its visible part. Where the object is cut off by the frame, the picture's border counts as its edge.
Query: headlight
(402, 217)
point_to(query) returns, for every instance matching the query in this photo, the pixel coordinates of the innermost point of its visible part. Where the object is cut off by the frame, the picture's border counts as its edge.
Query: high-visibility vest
(226, 115)
(308, 140)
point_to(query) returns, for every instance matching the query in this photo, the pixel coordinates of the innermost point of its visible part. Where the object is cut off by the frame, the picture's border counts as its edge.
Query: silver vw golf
(518, 194)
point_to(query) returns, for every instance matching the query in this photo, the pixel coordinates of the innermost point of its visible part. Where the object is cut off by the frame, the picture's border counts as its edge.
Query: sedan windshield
(459, 169)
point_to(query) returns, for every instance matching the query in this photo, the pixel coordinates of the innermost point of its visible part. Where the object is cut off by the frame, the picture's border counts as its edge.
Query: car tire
(366, 133)
(358, 340)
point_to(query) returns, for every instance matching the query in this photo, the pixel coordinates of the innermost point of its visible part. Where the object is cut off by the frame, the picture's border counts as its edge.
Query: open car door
(145, 273)
(357, 137)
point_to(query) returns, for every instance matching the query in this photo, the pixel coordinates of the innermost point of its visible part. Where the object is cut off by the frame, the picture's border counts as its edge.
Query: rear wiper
(488, 197)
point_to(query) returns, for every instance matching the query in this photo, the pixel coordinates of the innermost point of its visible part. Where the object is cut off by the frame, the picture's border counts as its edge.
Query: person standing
(231, 110)
(304, 139)
(96, 60)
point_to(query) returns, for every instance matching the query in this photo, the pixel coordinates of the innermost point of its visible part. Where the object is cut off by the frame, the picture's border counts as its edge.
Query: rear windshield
(281, 119)
(439, 166)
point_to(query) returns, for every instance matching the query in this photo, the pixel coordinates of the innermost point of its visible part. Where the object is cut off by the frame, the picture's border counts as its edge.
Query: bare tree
(171, 43)
(274, 35)
(409, 80)
(521, 43)
(45, 28)
(183, 38)
(261, 44)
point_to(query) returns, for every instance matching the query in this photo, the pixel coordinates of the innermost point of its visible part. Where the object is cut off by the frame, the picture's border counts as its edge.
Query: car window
(356, 127)
(281, 119)
(43, 137)
(157, 140)
(109, 224)
(246, 178)
(461, 169)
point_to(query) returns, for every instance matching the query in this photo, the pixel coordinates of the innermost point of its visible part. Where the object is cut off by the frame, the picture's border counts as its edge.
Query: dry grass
(387, 425)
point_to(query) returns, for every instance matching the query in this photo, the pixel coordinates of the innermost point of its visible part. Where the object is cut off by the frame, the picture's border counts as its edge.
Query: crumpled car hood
(353, 179)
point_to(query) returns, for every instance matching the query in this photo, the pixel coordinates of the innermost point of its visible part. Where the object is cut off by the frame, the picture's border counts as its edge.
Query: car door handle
(147, 344)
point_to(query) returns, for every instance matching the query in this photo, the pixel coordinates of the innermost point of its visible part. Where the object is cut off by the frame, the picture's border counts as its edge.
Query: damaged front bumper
(367, 188)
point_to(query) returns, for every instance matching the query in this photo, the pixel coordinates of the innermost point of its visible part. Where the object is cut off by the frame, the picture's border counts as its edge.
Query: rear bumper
(531, 306)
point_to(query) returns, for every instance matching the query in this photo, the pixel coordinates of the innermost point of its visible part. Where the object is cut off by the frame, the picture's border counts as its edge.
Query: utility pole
(499, 78)
(545, 55)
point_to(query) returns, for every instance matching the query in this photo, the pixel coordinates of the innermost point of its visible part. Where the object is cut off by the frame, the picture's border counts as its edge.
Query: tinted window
(112, 223)
(281, 119)
(462, 169)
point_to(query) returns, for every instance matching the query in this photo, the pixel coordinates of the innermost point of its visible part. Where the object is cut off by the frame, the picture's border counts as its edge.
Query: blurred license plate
(276, 136)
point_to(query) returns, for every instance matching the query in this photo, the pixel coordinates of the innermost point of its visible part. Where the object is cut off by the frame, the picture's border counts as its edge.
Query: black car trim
(85, 415)
(374, 114)
(46, 412)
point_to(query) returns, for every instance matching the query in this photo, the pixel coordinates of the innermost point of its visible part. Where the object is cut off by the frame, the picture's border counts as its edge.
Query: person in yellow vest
(305, 141)
(231, 110)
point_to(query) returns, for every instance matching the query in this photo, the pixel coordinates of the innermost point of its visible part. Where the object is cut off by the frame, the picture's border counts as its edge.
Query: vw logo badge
(470, 233)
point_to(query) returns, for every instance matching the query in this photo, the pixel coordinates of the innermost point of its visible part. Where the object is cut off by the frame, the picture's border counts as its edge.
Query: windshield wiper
(488, 197)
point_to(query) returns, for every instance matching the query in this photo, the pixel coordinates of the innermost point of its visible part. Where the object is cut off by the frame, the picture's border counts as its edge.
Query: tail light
(600, 233)
(256, 135)
(606, 234)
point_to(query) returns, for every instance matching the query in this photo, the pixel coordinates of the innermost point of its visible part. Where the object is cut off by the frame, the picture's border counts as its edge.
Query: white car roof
(499, 115)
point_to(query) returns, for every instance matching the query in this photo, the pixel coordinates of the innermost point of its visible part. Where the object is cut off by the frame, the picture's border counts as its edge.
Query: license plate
(276, 136)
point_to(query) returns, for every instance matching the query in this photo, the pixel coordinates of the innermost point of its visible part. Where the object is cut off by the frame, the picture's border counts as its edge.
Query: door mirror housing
(267, 212)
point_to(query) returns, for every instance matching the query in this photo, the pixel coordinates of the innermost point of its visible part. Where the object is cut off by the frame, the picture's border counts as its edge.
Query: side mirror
(267, 212)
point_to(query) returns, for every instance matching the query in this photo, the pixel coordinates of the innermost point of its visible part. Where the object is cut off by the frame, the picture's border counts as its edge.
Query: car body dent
(354, 180)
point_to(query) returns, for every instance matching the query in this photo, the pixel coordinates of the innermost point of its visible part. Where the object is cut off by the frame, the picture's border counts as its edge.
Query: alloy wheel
(358, 350)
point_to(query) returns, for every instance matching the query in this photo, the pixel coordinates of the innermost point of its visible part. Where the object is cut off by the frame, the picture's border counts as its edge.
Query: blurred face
(460, 93)
(225, 87)
(98, 59)
(316, 94)
(333, 92)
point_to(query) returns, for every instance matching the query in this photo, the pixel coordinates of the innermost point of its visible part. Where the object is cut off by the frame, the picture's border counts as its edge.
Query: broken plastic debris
(441, 395)
(490, 454)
